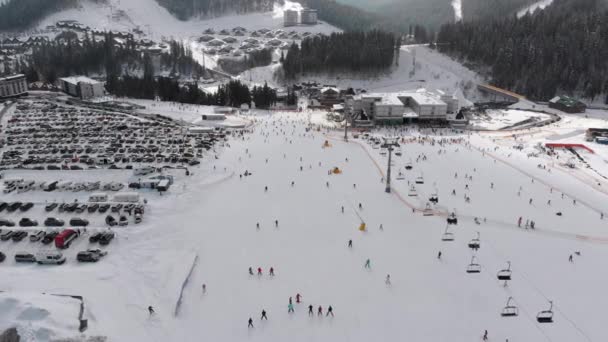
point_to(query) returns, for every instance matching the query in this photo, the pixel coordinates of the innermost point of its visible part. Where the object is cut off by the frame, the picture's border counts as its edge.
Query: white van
(50, 258)
(142, 171)
(98, 197)
(131, 197)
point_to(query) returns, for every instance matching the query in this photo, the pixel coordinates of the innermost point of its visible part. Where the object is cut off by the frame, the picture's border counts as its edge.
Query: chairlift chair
(428, 211)
(412, 192)
(398, 152)
(434, 198)
(475, 243)
(506, 273)
(383, 151)
(473, 266)
(447, 236)
(400, 176)
(545, 316)
(510, 310)
(419, 180)
(408, 166)
(452, 219)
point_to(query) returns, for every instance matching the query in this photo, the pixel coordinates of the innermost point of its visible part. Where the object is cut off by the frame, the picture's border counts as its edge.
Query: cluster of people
(261, 273)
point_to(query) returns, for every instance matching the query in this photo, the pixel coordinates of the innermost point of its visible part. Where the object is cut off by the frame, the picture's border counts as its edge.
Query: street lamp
(389, 144)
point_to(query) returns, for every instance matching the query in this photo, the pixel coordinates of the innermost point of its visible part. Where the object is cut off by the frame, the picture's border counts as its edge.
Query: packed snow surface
(213, 215)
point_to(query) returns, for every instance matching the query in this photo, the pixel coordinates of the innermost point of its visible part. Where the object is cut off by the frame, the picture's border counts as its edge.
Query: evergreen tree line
(371, 51)
(186, 9)
(89, 57)
(232, 94)
(562, 49)
(21, 14)
(259, 58)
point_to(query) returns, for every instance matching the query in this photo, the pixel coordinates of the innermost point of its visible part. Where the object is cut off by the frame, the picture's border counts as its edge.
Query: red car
(65, 238)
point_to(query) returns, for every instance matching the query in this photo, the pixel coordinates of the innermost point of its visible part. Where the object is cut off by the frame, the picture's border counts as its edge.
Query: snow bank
(39, 317)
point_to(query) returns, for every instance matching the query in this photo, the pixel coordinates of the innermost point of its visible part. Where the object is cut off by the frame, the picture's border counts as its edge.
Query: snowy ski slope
(213, 215)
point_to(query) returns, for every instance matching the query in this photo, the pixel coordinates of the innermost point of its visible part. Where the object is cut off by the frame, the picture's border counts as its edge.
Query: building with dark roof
(567, 104)
(13, 86)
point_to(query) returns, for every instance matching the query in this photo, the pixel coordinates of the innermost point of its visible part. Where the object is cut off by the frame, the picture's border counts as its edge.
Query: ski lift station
(402, 107)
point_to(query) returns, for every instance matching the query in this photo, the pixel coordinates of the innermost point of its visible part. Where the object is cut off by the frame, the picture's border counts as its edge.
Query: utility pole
(389, 145)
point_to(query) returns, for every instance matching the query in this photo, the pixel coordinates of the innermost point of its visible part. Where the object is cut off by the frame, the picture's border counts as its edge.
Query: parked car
(6, 235)
(138, 218)
(2, 257)
(13, 206)
(116, 208)
(50, 207)
(26, 206)
(91, 255)
(65, 238)
(24, 257)
(3, 205)
(78, 222)
(37, 236)
(6, 223)
(106, 238)
(19, 235)
(81, 208)
(93, 207)
(95, 237)
(53, 222)
(27, 222)
(123, 221)
(49, 237)
(50, 258)
(103, 208)
(111, 221)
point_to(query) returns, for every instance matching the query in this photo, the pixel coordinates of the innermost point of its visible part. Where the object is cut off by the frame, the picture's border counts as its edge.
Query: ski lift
(475, 243)
(510, 310)
(398, 152)
(408, 166)
(473, 266)
(428, 211)
(412, 192)
(383, 151)
(452, 219)
(419, 180)
(447, 236)
(546, 316)
(434, 198)
(506, 273)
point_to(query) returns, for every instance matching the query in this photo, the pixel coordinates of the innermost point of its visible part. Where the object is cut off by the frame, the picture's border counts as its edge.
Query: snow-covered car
(50, 258)
(37, 236)
(91, 255)
(25, 257)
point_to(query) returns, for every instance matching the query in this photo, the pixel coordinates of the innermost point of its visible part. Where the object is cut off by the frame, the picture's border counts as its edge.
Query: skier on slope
(310, 313)
(250, 271)
(368, 264)
(298, 298)
(271, 271)
(259, 271)
(290, 308)
(151, 309)
(350, 243)
(439, 255)
(320, 311)
(250, 323)
(330, 311)
(264, 315)
(519, 222)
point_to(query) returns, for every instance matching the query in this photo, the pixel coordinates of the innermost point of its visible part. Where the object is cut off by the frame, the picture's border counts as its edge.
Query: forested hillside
(186, 9)
(563, 48)
(21, 14)
(488, 9)
(371, 51)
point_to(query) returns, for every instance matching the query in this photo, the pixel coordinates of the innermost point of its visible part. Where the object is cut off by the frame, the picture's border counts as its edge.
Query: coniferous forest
(372, 51)
(562, 49)
(186, 9)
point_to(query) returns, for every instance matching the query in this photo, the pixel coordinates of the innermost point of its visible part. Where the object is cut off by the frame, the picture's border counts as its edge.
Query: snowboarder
(151, 309)
(290, 308)
(350, 243)
(320, 311)
(250, 323)
(439, 255)
(310, 313)
(271, 272)
(264, 315)
(368, 264)
(250, 271)
(298, 298)
(330, 311)
(259, 271)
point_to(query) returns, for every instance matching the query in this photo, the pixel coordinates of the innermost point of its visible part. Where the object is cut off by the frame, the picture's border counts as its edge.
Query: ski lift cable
(542, 294)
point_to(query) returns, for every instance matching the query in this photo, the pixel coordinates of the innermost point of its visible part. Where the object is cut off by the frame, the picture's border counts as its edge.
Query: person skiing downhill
(204, 288)
(368, 264)
(290, 308)
(250, 323)
(272, 271)
(264, 315)
(350, 243)
(439, 255)
(310, 313)
(485, 335)
(151, 309)
(342, 209)
(250, 271)
(298, 298)
(320, 311)
(259, 271)
(519, 222)
(330, 311)
(388, 279)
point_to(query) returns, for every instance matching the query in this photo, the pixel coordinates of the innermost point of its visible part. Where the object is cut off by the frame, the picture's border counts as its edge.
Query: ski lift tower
(346, 126)
(389, 144)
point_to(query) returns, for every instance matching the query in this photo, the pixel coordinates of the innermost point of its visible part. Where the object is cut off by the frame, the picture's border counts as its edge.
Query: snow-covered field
(432, 70)
(211, 217)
